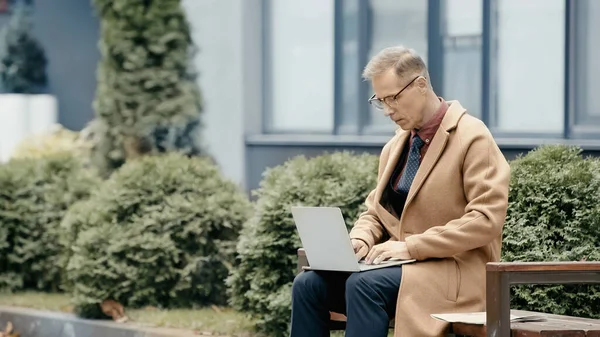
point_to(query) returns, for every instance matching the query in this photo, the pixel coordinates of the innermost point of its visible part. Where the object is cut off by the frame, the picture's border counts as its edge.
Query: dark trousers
(368, 299)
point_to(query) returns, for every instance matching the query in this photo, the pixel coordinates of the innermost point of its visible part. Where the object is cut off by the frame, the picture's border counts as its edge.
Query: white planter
(43, 113)
(13, 123)
(23, 115)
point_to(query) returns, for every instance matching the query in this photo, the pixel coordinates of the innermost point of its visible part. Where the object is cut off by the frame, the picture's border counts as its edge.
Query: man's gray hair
(405, 62)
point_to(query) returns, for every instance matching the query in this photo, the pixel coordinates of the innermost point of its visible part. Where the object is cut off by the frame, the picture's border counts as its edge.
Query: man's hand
(388, 250)
(360, 248)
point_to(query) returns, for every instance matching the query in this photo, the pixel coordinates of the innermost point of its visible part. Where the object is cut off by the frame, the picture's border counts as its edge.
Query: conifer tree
(22, 58)
(147, 100)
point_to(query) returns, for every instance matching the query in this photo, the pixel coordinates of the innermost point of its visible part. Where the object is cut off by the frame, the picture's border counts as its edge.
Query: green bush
(266, 265)
(161, 231)
(35, 194)
(148, 99)
(554, 215)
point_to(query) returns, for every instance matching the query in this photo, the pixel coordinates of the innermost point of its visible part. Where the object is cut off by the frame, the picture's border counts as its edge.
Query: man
(441, 198)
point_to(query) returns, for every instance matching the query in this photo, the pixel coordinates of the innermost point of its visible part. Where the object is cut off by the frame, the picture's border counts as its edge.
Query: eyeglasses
(389, 100)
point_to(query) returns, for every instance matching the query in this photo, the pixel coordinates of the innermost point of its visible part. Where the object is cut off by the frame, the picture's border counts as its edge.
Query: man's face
(404, 99)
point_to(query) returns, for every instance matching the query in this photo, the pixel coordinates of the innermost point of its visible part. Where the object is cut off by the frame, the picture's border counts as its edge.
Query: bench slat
(529, 330)
(543, 266)
(554, 316)
(554, 326)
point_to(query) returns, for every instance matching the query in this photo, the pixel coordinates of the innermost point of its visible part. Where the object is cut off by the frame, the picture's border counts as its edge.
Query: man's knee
(308, 283)
(358, 283)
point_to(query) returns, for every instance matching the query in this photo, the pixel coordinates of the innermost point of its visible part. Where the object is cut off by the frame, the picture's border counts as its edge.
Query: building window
(350, 101)
(365, 27)
(299, 67)
(394, 22)
(587, 66)
(527, 68)
(462, 37)
(316, 50)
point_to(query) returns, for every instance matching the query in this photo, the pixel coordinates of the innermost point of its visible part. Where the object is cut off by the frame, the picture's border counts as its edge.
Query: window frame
(359, 111)
(570, 129)
(267, 113)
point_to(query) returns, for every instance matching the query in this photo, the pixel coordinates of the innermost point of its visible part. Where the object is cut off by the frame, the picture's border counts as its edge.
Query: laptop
(325, 238)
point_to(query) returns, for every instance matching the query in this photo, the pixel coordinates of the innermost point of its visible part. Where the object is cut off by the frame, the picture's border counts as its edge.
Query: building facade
(283, 77)
(528, 69)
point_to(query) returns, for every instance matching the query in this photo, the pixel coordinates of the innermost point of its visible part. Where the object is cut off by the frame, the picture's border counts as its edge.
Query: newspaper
(479, 318)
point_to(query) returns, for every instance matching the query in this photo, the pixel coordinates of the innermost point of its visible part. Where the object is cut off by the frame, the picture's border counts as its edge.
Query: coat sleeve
(486, 176)
(368, 227)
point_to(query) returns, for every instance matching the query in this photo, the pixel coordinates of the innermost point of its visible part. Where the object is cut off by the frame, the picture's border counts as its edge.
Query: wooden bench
(552, 326)
(500, 276)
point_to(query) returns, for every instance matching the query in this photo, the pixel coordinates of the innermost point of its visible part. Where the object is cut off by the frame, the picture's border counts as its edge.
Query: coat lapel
(392, 162)
(389, 220)
(455, 111)
(431, 157)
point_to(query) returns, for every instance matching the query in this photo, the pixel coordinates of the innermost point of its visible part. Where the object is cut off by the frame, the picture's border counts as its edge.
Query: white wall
(217, 31)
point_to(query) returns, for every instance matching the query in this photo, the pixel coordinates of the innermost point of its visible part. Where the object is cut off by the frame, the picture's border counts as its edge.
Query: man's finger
(370, 254)
(373, 254)
(362, 252)
(382, 257)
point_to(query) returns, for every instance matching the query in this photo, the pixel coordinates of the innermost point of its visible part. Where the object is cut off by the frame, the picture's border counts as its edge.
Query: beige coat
(452, 221)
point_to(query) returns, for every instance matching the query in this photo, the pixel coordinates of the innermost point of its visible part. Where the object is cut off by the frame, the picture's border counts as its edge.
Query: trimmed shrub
(161, 231)
(56, 140)
(554, 215)
(148, 99)
(266, 265)
(34, 196)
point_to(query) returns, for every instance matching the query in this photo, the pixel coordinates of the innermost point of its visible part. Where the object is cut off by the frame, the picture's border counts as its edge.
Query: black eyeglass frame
(379, 102)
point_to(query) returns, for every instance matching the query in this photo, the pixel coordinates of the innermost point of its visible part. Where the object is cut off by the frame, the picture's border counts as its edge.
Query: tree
(147, 100)
(22, 58)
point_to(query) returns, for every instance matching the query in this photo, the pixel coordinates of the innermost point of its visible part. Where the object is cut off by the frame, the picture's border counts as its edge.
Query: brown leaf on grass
(115, 310)
(216, 309)
(67, 308)
(9, 331)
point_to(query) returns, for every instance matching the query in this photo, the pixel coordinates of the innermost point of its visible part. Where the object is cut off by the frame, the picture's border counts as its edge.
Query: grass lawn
(226, 322)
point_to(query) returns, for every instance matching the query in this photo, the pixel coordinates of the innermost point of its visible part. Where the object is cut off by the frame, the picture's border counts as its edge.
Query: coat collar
(453, 115)
(449, 122)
